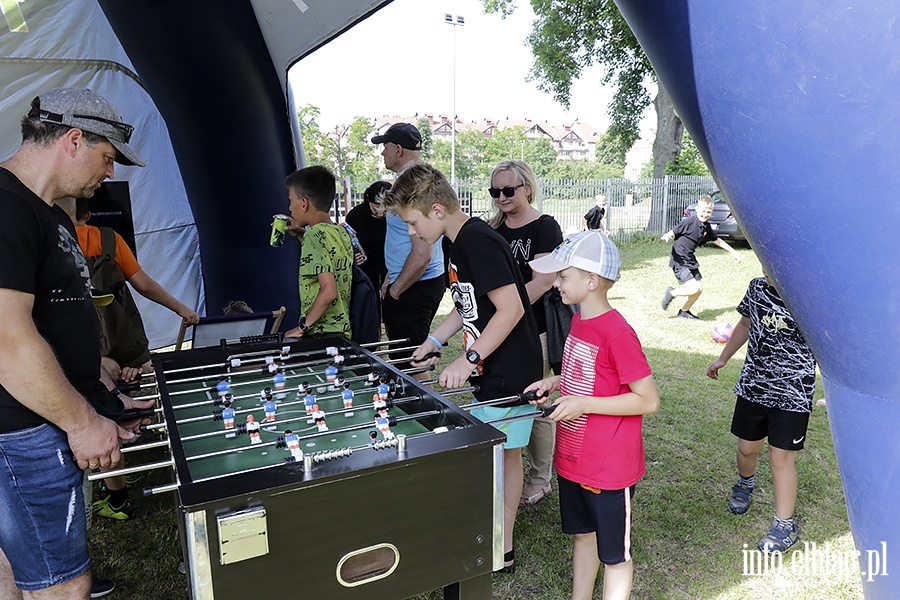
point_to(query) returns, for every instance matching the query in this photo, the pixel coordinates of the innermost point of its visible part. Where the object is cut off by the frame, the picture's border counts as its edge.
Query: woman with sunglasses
(530, 234)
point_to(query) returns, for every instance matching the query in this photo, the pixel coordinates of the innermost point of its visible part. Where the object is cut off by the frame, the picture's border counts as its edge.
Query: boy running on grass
(691, 232)
(605, 387)
(774, 399)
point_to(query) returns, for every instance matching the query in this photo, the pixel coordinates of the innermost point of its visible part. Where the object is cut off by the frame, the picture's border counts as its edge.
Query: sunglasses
(508, 191)
(44, 115)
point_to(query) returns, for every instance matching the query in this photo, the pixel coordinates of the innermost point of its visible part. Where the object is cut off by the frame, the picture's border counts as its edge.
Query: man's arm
(30, 372)
(415, 265)
(150, 289)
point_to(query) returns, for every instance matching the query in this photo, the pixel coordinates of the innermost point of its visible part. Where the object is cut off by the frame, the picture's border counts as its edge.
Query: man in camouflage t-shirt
(326, 257)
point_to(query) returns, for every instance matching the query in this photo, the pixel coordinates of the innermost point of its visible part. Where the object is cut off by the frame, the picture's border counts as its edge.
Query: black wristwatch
(302, 325)
(473, 357)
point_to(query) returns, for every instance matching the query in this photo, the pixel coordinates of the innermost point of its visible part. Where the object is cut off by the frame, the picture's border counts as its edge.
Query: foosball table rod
(97, 475)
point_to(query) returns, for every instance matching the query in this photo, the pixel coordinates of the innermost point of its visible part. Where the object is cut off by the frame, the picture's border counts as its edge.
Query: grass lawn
(685, 542)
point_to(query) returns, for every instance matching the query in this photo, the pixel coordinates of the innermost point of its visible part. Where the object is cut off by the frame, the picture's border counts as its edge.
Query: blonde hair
(523, 172)
(706, 200)
(418, 187)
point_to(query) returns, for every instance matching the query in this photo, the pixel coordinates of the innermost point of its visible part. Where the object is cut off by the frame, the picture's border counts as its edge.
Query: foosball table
(320, 470)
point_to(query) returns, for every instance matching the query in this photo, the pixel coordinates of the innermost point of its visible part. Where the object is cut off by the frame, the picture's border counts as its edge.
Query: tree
(310, 133)
(582, 169)
(689, 161)
(569, 35)
(423, 124)
(610, 151)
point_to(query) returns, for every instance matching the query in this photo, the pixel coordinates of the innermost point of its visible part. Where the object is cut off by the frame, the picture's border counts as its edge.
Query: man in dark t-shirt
(690, 233)
(49, 342)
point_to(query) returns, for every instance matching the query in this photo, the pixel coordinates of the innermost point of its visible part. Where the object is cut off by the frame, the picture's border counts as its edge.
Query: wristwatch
(302, 325)
(473, 357)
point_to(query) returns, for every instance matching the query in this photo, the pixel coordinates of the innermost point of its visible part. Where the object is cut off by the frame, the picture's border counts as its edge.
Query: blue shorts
(42, 514)
(518, 433)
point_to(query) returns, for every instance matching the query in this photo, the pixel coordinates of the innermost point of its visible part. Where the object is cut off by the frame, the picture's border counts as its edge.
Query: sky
(400, 60)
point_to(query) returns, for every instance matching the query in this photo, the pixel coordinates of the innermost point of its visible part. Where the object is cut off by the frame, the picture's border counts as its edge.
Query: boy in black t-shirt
(774, 399)
(492, 308)
(691, 232)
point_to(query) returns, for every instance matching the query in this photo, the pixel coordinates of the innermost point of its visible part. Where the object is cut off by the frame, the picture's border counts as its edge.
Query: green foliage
(570, 35)
(689, 161)
(611, 151)
(346, 150)
(583, 169)
(423, 124)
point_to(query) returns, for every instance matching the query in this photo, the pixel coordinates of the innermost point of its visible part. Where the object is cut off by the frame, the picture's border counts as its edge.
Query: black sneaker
(739, 502)
(686, 314)
(101, 587)
(667, 298)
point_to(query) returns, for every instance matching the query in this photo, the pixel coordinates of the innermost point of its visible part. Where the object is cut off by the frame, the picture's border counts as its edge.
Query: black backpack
(365, 324)
(122, 335)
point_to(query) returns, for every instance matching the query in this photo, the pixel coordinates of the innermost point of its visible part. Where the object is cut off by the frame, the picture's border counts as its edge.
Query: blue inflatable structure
(793, 106)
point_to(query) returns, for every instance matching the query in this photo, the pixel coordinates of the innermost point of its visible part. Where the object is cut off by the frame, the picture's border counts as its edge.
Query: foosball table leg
(477, 588)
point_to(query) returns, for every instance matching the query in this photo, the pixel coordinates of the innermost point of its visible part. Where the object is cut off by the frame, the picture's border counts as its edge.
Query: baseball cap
(402, 134)
(590, 251)
(82, 108)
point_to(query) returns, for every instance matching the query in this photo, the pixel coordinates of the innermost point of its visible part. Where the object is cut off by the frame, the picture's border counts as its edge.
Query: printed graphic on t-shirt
(70, 246)
(780, 370)
(577, 378)
(463, 294)
(521, 249)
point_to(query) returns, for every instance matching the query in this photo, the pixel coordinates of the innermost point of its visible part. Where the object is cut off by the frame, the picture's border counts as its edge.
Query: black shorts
(608, 513)
(411, 315)
(685, 274)
(785, 429)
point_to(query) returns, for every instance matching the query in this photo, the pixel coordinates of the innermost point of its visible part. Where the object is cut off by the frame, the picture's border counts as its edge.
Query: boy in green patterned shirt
(326, 257)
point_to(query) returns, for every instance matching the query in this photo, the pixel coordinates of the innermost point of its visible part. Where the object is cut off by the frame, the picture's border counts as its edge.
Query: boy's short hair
(418, 187)
(704, 199)
(374, 194)
(315, 183)
(590, 251)
(81, 209)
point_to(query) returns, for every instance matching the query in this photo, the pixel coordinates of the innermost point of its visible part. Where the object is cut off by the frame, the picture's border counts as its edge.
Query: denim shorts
(42, 513)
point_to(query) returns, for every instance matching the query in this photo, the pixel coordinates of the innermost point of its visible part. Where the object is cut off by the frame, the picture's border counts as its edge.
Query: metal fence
(642, 206)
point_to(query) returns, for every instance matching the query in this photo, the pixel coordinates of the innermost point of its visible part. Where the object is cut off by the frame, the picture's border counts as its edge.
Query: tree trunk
(666, 146)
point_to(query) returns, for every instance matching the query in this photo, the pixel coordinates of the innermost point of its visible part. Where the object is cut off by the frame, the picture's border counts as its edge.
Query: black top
(480, 262)
(594, 216)
(371, 232)
(39, 255)
(689, 234)
(538, 237)
(780, 369)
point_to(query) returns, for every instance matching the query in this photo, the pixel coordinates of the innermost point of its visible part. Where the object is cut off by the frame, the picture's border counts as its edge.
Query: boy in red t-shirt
(605, 387)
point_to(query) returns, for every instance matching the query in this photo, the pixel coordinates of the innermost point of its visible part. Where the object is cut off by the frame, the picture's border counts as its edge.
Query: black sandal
(508, 557)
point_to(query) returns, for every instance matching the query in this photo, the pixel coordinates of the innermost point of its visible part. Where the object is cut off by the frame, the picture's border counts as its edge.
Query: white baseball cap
(590, 251)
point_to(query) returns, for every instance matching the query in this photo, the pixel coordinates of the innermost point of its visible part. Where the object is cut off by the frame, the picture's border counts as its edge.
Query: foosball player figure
(278, 379)
(331, 371)
(380, 407)
(338, 382)
(338, 359)
(319, 417)
(384, 427)
(223, 386)
(373, 437)
(303, 388)
(347, 395)
(269, 407)
(265, 393)
(228, 416)
(270, 363)
(384, 389)
(253, 430)
(293, 444)
(285, 353)
(309, 400)
(372, 378)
